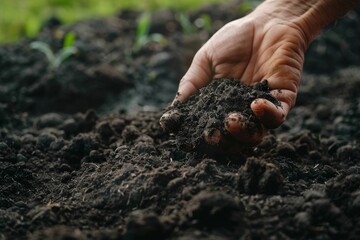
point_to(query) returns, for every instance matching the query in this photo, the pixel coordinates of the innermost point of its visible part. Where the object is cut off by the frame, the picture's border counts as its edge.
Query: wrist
(310, 16)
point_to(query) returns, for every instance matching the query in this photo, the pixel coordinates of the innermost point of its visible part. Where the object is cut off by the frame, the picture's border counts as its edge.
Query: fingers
(272, 116)
(246, 133)
(239, 134)
(269, 115)
(198, 75)
(242, 130)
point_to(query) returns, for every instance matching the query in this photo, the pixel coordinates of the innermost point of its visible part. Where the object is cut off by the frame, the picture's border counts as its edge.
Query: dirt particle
(104, 130)
(21, 158)
(341, 187)
(70, 126)
(87, 121)
(45, 139)
(286, 149)
(175, 183)
(49, 120)
(95, 156)
(171, 120)
(258, 176)
(313, 194)
(130, 133)
(118, 125)
(66, 177)
(27, 139)
(303, 219)
(79, 147)
(58, 233)
(57, 145)
(347, 153)
(215, 210)
(65, 168)
(3, 146)
(355, 203)
(144, 225)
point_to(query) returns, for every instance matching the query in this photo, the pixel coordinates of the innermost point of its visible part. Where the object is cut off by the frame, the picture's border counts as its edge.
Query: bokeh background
(24, 18)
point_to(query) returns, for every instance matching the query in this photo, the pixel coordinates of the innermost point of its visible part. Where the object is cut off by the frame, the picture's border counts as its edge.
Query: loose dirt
(200, 124)
(83, 156)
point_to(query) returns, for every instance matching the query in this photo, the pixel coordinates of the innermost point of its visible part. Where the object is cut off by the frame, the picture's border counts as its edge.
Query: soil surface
(83, 156)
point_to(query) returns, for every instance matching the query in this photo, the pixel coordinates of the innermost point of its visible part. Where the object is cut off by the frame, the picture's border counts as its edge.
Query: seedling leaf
(142, 31)
(187, 27)
(69, 40)
(63, 55)
(143, 26)
(45, 49)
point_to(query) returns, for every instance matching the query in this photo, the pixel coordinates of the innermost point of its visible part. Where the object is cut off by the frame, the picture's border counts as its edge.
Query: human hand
(251, 49)
(267, 44)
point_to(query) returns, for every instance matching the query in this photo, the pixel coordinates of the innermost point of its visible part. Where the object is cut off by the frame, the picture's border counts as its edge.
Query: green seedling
(186, 25)
(142, 33)
(55, 60)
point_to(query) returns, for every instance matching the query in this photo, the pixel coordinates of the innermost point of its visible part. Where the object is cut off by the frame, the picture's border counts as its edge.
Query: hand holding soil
(207, 121)
(269, 43)
(77, 161)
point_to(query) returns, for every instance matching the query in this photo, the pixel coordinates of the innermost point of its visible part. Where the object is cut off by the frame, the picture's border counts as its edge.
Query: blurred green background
(23, 18)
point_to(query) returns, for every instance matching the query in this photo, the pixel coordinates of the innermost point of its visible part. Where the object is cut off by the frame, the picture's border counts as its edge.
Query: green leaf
(143, 26)
(69, 40)
(187, 27)
(63, 55)
(45, 49)
(142, 31)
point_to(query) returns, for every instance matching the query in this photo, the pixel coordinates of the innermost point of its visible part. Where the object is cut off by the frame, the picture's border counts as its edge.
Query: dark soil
(201, 118)
(82, 154)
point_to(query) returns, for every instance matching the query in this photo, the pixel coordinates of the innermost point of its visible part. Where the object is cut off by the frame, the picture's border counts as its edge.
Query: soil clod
(218, 116)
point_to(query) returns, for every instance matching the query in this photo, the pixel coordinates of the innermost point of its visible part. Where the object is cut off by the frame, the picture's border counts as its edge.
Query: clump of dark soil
(259, 176)
(205, 113)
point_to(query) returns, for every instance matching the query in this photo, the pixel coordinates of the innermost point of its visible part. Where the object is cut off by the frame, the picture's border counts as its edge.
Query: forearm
(311, 15)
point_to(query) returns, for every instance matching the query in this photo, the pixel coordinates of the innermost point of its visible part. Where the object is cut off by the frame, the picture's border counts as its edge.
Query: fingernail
(235, 122)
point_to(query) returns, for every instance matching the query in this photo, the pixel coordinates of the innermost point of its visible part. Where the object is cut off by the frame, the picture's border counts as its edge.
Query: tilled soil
(83, 156)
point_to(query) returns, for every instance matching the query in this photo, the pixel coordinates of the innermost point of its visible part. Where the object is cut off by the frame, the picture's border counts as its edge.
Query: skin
(269, 43)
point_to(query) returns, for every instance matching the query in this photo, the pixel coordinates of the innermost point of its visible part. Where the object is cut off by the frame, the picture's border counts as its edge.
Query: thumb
(198, 75)
(272, 116)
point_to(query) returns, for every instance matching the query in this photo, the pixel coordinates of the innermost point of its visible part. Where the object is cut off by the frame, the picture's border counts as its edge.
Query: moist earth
(198, 120)
(83, 156)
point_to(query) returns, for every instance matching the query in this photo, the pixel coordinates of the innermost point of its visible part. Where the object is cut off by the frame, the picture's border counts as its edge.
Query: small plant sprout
(55, 60)
(186, 25)
(142, 33)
